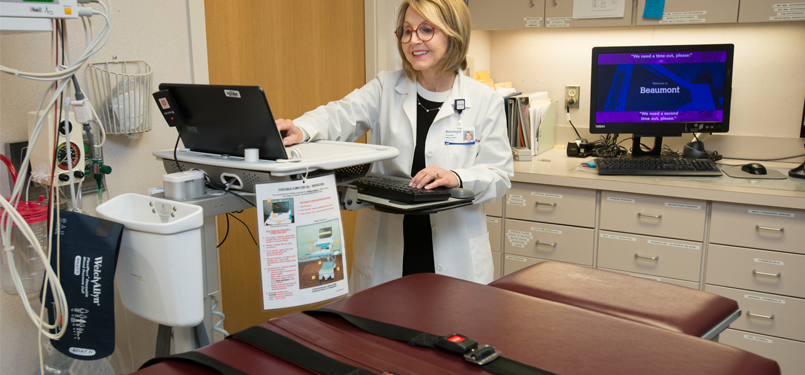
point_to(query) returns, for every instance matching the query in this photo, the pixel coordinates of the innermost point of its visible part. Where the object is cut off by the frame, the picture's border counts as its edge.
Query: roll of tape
(252, 154)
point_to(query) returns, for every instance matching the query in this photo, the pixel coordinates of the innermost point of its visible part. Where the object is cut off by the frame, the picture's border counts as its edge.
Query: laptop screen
(221, 119)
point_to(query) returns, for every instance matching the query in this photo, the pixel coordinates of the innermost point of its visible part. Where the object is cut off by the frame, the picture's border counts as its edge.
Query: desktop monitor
(657, 91)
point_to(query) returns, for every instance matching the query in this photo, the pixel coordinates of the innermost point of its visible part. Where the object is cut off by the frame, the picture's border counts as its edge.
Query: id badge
(460, 136)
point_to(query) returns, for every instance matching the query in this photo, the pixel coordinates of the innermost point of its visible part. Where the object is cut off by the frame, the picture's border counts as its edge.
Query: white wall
(768, 80)
(150, 30)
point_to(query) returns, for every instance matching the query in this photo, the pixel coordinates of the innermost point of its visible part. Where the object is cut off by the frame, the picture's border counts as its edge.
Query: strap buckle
(483, 355)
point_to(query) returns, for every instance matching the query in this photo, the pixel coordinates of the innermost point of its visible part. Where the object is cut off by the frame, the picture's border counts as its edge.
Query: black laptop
(221, 119)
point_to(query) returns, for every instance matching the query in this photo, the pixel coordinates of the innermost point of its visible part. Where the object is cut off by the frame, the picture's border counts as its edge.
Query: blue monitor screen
(661, 90)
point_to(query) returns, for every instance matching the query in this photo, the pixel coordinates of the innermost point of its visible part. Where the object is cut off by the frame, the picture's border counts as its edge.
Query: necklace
(426, 109)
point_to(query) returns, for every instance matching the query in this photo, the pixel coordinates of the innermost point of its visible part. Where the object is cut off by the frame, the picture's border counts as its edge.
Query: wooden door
(303, 53)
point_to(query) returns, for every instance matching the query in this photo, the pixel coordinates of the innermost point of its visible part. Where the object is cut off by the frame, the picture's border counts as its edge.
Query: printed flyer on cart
(301, 243)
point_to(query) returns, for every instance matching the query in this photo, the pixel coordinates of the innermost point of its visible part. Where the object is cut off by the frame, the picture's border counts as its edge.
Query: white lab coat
(387, 106)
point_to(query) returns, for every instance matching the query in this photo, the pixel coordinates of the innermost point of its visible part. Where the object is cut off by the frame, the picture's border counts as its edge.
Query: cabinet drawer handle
(640, 214)
(538, 203)
(759, 316)
(545, 244)
(636, 255)
(758, 227)
(756, 272)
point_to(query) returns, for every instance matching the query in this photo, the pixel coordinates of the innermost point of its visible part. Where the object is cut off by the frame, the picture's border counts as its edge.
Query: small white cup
(251, 155)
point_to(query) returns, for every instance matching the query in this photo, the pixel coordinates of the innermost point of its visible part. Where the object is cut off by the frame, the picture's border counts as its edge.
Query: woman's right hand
(291, 135)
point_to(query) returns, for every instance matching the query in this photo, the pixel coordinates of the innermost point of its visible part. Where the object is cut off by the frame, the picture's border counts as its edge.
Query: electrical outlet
(572, 96)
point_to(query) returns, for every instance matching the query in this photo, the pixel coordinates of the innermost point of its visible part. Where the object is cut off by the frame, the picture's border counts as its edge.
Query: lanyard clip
(459, 106)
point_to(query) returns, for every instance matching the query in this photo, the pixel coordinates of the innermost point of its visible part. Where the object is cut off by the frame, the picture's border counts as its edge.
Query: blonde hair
(453, 19)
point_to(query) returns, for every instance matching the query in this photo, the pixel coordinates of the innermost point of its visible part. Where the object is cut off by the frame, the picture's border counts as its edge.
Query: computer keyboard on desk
(657, 167)
(397, 189)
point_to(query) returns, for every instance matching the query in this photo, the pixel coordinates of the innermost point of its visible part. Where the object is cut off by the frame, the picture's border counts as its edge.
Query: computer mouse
(754, 168)
(461, 193)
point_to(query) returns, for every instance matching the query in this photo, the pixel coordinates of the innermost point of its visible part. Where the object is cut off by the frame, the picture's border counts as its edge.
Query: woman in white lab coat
(425, 111)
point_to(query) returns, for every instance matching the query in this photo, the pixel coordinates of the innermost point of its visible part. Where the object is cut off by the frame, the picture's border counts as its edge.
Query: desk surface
(555, 168)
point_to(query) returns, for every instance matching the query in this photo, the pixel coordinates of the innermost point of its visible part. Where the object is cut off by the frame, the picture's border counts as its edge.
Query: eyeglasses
(424, 32)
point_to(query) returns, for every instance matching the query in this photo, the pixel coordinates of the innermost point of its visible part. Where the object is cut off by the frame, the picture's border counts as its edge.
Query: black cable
(226, 190)
(247, 228)
(608, 147)
(567, 106)
(176, 146)
(227, 231)
(713, 156)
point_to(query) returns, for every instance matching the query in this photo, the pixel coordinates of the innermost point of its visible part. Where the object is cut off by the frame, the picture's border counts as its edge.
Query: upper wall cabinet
(559, 13)
(771, 11)
(506, 14)
(691, 12)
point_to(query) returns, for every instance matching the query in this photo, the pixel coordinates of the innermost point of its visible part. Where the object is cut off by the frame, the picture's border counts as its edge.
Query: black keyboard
(397, 189)
(658, 167)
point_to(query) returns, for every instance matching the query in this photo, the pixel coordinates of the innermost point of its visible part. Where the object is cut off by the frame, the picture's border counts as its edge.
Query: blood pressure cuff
(88, 250)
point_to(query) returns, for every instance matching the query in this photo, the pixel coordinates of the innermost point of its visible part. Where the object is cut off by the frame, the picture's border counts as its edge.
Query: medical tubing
(217, 326)
(92, 49)
(11, 216)
(6, 233)
(67, 131)
(28, 233)
(11, 169)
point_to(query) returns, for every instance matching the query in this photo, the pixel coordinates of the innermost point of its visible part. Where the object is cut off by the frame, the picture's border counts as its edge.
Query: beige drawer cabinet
(691, 12)
(494, 224)
(560, 243)
(760, 227)
(514, 263)
(767, 314)
(760, 270)
(653, 215)
(687, 284)
(551, 204)
(559, 14)
(787, 353)
(494, 209)
(771, 11)
(506, 14)
(495, 227)
(656, 256)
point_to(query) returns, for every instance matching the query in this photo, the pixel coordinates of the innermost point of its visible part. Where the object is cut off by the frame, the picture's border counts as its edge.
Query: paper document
(302, 257)
(598, 8)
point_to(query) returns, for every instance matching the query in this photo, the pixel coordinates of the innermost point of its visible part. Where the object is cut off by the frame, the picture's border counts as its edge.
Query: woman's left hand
(433, 176)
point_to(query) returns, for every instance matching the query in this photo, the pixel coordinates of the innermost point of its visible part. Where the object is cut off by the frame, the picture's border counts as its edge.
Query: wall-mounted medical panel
(507, 14)
(565, 14)
(690, 12)
(771, 11)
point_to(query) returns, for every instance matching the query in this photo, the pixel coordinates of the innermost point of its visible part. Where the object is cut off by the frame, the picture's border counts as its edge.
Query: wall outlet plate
(572, 92)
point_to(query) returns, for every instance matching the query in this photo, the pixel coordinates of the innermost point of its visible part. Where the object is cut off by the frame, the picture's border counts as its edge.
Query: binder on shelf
(531, 121)
(518, 121)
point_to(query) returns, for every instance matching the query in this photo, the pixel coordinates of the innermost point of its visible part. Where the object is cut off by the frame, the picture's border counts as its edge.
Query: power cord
(176, 146)
(228, 185)
(567, 107)
(713, 155)
(608, 147)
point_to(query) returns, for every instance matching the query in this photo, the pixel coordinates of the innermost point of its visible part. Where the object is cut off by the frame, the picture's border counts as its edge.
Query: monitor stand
(637, 151)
